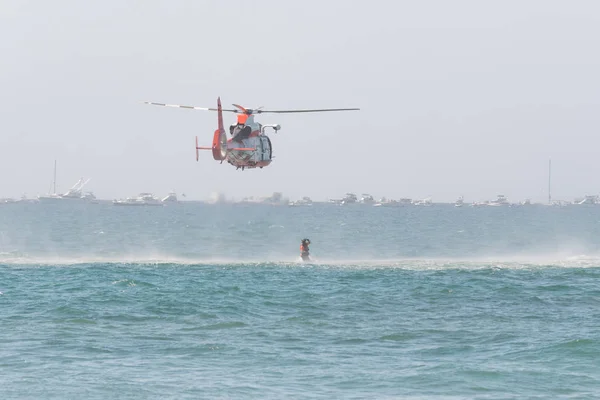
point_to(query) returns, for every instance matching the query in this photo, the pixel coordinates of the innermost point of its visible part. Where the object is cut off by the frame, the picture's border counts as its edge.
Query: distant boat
(170, 198)
(500, 201)
(367, 199)
(144, 199)
(305, 201)
(350, 198)
(74, 193)
(588, 200)
(24, 199)
(459, 202)
(425, 202)
(387, 203)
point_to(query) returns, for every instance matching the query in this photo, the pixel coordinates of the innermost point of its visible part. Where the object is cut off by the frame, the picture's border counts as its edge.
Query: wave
(418, 263)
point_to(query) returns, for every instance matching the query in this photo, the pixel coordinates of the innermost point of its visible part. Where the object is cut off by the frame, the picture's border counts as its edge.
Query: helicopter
(249, 145)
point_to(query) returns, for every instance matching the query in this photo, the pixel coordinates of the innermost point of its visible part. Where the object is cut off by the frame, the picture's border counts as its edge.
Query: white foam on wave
(73, 260)
(417, 263)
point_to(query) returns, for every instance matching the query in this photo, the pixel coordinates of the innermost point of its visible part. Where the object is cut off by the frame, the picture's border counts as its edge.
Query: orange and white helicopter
(249, 146)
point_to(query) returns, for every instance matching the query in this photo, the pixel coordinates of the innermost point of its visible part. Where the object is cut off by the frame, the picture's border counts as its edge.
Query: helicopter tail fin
(220, 115)
(219, 144)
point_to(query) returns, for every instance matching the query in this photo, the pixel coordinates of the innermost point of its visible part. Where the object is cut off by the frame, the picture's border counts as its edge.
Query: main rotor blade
(305, 111)
(240, 107)
(188, 107)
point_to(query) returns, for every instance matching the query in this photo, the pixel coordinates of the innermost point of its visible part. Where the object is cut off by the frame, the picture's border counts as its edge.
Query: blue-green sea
(210, 301)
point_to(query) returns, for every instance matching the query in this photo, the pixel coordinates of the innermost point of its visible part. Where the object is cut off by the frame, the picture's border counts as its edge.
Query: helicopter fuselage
(260, 156)
(247, 135)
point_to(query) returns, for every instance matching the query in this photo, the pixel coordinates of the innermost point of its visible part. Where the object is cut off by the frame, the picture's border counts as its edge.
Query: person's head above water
(306, 241)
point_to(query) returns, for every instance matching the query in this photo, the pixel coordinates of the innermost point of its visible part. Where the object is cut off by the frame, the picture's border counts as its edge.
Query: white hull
(391, 203)
(136, 203)
(144, 199)
(59, 199)
(305, 201)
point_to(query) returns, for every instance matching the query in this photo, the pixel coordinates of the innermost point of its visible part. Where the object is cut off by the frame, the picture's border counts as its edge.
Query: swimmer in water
(304, 250)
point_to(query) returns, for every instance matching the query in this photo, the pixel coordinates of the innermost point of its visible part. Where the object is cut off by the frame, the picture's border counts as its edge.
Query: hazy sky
(457, 97)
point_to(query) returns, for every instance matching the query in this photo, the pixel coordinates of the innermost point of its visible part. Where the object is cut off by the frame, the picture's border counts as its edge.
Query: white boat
(559, 203)
(350, 198)
(367, 199)
(387, 203)
(170, 198)
(24, 199)
(459, 202)
(425, 202)
(144, 199)
(305, 201)
(588, 200)
(382, 202)
(500, 201)
(75, 193)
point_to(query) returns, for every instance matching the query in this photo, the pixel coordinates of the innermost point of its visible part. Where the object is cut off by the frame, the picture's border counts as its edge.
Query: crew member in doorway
(240, 131)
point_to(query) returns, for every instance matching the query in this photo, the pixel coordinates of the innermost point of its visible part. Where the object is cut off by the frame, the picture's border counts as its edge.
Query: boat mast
(54, 182)
(549, 177)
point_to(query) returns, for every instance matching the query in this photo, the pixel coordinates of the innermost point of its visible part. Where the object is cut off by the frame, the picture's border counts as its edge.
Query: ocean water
(210, 301)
